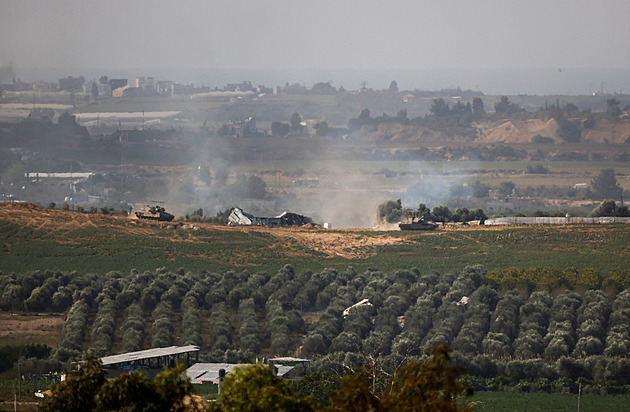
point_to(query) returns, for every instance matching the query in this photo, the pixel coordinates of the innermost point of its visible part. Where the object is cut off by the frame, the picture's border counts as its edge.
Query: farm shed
(206, 373)
(154, 359)
(292, 363)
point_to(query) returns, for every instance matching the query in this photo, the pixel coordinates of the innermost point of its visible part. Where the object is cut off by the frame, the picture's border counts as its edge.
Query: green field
(525, 402)
(33, 238)
(115, 247)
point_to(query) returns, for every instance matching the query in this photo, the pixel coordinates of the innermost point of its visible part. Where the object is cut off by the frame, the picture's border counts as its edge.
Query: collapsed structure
(237, 217)
(364, 302)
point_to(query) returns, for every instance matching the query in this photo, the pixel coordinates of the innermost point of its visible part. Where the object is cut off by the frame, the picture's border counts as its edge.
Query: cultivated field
(35, 238)
(529, 402)
(20, 328)
(113, 284)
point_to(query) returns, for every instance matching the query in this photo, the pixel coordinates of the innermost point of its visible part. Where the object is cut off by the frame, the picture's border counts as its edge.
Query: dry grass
(40, 328)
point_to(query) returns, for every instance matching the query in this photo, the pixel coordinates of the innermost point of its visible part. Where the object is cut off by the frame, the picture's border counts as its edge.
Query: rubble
(237, 217)
(364, 302)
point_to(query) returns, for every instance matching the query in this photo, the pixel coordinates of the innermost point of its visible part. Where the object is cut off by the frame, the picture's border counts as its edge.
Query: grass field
(44, 239)
(40, 328)
(527, 402)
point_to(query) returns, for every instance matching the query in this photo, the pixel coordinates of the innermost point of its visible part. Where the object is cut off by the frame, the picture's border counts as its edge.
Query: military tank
(417, 223)
(154, 212)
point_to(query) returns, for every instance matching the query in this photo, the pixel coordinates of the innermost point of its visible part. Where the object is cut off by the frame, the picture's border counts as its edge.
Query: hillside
(512, 131)
(517, 131)
(36, 238)
(498, 323)
(540, 303)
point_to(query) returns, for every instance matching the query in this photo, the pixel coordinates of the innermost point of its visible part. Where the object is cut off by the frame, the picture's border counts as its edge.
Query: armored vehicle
(417, 223)
(154, 213)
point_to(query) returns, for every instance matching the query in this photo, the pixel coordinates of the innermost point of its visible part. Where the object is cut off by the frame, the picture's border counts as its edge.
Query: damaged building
(237, 217)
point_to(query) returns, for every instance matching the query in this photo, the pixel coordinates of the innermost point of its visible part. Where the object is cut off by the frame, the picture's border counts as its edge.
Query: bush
(73, 328)
(103, 328)
(542, 139)
(162, 325)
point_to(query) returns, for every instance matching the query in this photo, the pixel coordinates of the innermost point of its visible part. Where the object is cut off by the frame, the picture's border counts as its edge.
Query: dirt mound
(42, 328)
(505, 131)
(517, 131)
(348, 245)
(37, 217)
(21, 206)
(398, 131)
(608, 131)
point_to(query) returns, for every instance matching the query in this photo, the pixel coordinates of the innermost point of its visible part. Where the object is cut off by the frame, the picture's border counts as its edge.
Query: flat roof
(210, 371)
(147, 354)
(289, 359)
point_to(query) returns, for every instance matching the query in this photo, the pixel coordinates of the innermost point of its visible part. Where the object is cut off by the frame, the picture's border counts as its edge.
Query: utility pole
(124, 138)
(19, 382)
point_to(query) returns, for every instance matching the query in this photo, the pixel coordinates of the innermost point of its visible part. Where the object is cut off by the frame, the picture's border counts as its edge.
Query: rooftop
(147, 354)
(209, 372)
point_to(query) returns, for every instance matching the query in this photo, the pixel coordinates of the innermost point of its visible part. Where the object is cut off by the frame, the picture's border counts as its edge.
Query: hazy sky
(316, 33)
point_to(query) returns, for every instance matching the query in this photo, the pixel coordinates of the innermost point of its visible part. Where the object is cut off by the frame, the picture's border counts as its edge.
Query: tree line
(604, 186)
(461, 115)
(498, 324)
(392, 211)
(433, 384)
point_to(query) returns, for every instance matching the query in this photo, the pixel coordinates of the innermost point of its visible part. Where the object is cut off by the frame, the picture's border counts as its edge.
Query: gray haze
(324, 33)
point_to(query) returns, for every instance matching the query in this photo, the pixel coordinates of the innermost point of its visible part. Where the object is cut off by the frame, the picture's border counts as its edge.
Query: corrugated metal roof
(555, 220)
(289, 359)
(147, 354)
(209, 372)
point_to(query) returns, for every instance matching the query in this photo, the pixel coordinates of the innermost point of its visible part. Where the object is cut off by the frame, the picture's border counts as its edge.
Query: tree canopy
(432, 385)
(256, 388)
(86, 389)
(605, 185)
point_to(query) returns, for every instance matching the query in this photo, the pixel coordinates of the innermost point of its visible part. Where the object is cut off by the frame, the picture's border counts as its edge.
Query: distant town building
(71, 84)
(239, 128)
(117, 83)
(295, 88)
(127, 91)
(164, 88)
(146, 85)
(261, 89)
(104, 89)
(188, 89)
(245, 86)
(323, 88)
(43, 86)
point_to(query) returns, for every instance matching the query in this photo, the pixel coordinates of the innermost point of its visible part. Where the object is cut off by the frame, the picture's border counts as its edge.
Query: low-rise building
(164, 88)
(127, 91)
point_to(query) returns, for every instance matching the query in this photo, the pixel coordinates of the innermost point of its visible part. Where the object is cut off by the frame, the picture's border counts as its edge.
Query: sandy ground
(40, 328)
(338, 244)
(347, 243)
(515, 131)
(332, 243)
